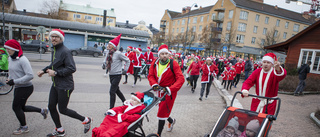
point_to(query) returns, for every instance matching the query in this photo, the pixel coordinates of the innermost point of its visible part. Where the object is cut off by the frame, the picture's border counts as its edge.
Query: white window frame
(177, 30)
(230, 14)
(266, 20)
(296, 27)
(253, 40)
(242, 27)
(201, 19)
(264, 32)
(244, 15)
(86, 17)
(312, 59)
(286, 25)
(278, 23)
(200, 28)
(194, 28)
(213, 16)
(208, 18)
(276, 33)
(285, 35)
(182, 29)
(75, 16)
(226, 38)
(99, 19)
(174, 22)
(257, 18)
(262, 42)
(255, 29)
(195, 20)
(240, 38)
(178, 22)
(229, 25)
(183, 21)
(173, 30)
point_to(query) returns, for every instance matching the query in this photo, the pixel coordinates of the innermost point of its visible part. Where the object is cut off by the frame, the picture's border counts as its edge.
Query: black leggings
(193, 81)
(20, 97)
(115, 90)
(236, 79)
(161, 125)
(229, 84)
(61, 97)
(136, 74)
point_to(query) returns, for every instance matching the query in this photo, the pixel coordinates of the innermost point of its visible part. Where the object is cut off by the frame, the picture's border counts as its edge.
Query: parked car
(86, 51)
(34, 45)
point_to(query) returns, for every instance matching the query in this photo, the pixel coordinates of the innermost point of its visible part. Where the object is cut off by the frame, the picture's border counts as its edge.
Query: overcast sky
(150, 11)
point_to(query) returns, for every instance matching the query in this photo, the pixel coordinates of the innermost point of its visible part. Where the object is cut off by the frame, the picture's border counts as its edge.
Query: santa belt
(262, 103)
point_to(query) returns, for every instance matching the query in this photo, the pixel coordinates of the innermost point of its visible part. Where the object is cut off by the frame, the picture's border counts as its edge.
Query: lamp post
(185, 41)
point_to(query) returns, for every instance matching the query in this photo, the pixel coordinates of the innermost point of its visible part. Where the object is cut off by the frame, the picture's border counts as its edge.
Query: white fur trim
(112, 112)
(268, 58)
(58, 33)
(245, 91)
(119, 118)
(112, 44)
(163, 50)
(281, 74)
(162, 118)
(136, 98)
(8, 47)
(168, 91)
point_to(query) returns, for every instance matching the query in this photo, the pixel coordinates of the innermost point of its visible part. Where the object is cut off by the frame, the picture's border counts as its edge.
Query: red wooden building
(303, 47)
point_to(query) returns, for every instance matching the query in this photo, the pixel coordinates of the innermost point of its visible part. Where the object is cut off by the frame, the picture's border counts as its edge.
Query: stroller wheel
(153, 135)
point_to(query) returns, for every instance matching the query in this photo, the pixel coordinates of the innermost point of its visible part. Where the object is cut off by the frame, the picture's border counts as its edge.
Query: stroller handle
(268, 98)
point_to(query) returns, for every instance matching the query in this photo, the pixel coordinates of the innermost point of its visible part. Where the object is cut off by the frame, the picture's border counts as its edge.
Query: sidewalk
(294, 116)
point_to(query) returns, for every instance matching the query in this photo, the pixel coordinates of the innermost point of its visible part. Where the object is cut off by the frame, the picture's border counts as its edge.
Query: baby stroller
(150, 101)
(244, 116)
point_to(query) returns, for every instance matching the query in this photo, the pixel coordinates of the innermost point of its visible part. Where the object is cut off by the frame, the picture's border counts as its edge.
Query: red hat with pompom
(138, 95)
(271, 57)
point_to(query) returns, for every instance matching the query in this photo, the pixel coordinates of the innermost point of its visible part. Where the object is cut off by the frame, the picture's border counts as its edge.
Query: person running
(20, 75)
(149, 58)
(209, 71)
(239, 67)
(61, 69)
(113, 63)
(129, 54)
(137, 58)
(166, 73)
(194, 70)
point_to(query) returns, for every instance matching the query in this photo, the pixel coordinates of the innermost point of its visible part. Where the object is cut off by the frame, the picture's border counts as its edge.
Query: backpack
(171, 65)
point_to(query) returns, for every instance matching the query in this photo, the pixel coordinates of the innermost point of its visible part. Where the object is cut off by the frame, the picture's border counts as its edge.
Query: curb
(304, 92)
(316, 120)
(39, 60)
(225, 95)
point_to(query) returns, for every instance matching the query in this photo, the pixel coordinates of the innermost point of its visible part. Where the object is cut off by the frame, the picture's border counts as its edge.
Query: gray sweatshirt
(116, 65)
(20, 71)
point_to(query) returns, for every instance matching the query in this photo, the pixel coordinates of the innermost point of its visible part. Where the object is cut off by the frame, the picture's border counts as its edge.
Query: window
(207, 18)
(253, 40)
(182, 29)
(244, 15)
(167, 30)
(174, 22)
(213, 16)
(189, 20)
(178, 22)
(242, 27)
(285, 35)
(296, 27)
(227, 37)
(240, 38)
(229, 25)
(286, 25)
(110, 21)
(183, 22)
(257, 18)
(172, 30)
(230, 14)
(222, 3)
(86, 17)
(177, 30)
(194, 29)
(98, 18)
(310, 55)
(201, 19)
(200, 28)
(255, 29)
(76, 16)
(275, 33)
(221, 15)
(264, 31)
(266, 21)
(262, 42)
(194, 20)
(278, 23)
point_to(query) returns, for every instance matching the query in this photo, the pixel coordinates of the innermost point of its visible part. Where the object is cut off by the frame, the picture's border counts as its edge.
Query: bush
(293, 71)
(290, 83)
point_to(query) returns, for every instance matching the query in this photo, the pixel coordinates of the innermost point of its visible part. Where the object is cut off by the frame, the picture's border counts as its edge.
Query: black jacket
(248, 66)
(303, 71)
(62, 62)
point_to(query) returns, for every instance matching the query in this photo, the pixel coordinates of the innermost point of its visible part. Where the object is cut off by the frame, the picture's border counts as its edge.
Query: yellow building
(249, 22)
(88, 14)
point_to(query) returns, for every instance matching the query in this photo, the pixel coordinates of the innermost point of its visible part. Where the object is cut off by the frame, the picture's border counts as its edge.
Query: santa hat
(253, 125)
(59, 32)
(163, 48)
(138, 95)
(115, 41)
(233, 122)
(139, 49)
(220, 59)
(15, 46)
(209, 59)
(129, 47)
(148, 48)
(271, 57)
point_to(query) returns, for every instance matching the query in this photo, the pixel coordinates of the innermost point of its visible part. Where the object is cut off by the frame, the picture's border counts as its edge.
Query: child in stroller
(118, 119)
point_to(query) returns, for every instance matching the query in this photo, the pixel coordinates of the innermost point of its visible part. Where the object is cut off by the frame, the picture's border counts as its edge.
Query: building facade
(244, 25)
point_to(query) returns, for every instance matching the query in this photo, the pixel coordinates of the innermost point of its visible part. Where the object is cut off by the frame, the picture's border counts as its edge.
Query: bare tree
(229, 37)
(157, 39)
(180, 39)
(53, 9)
(271, 37)
(170, 40)
(209, 37)
(191, 34)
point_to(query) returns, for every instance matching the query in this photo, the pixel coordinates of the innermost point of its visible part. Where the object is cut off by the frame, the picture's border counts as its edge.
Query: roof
(271, 10)
(204, 10)
(86, 9)
(77, 26)
(131, 26)
(30, 14)
(283, 46)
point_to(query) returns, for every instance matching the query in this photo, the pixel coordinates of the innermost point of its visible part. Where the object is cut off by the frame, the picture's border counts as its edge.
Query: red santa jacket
(208, 71)
(225, 75)
(127, 53)
(116, 124)
(255, 66)
(130, 56)
(137, 60)
(174, 80)
(195, 68)
(148, 57)
(239, 67)
(267, 84)
(232, 74)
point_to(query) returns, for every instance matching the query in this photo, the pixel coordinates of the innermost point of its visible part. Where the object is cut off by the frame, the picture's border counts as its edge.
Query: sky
(150, 11)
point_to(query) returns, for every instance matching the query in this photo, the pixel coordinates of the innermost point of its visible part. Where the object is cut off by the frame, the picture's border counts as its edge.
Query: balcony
(217, 29)
(218, 19)
(216, 40)
(162, 26)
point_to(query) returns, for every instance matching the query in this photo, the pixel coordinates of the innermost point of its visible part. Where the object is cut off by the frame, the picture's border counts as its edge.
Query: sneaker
(133, 85)
(21, 130)
(125, 82)
(170, 125)
(296, 94)
(200, 99)
(87, 125)
(235, 86)
(301, 93)
(44, 113)
(56, 133)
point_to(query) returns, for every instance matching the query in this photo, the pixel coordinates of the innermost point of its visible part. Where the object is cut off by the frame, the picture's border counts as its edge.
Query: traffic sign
(224, 48)
(41, 29)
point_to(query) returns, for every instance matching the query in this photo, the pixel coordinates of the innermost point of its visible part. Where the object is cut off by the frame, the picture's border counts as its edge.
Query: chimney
(104, 18)
(112, 9)
(276, 6)
(24, 10)
(260, 1)
(188, 9)
(150, 26)
(183, 10)
(127, 22)
(200, 7)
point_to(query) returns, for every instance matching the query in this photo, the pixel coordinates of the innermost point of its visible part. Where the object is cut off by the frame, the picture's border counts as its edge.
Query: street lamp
(185, 41)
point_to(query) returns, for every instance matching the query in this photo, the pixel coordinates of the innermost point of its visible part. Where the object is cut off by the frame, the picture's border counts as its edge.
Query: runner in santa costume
(239, 67)
(209, 71)
(161, 74)
(118, 119)
(129, 54)
(136, 59)
(267, 81)
(149, 58)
